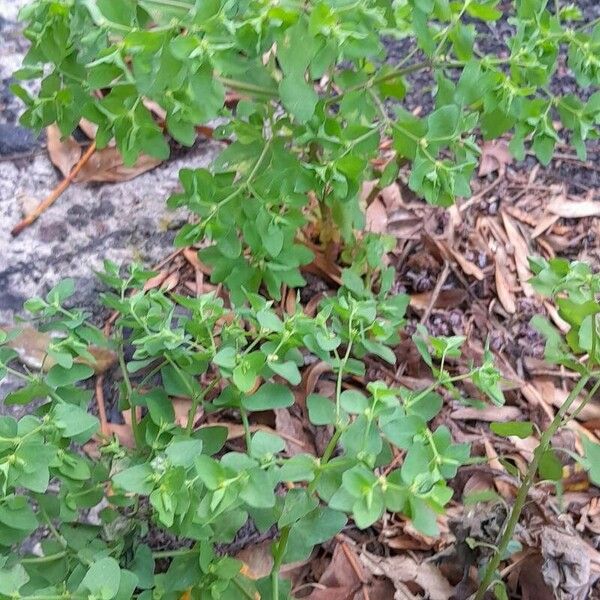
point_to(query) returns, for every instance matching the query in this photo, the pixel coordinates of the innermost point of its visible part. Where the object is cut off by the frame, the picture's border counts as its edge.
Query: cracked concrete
(89, 222)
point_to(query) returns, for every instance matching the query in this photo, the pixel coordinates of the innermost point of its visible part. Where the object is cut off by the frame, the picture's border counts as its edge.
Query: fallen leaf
(32, 347)
(257, 559)
(521, 252)
(291, 429)
(403, 570)
(503, 287)
(64, 153)
(489, 413)
(446, 299)
(376, 217)
(106, 165)
(574, 209)
(495, 155)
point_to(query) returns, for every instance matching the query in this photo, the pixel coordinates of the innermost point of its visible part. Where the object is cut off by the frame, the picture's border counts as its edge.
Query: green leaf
(103, 578)
(59, 376)
(12, 580)
(550, 468)
(321, 410)
(521, 429)
(298, 97)
(137, 479)
(269, 396)
(74, 420)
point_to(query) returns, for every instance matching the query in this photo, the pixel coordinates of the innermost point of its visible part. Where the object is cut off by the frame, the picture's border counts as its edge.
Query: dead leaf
(376, 217)
(257, 559)
(521, 252)
(446, 299)
(32, 347)
(489, 413)
(64, 153)
(342, 578)
(291, 429)
(574, 209)
(402, 570)
(106, 165)
(495, 155)
(503, 287)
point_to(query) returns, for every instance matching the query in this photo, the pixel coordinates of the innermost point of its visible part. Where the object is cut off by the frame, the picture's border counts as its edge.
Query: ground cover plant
(310, 112)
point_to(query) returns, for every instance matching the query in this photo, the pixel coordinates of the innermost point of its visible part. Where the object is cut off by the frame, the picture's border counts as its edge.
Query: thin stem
(174, 553)
(278, 554)
(513, 518)
(40, 560)
(246, 425)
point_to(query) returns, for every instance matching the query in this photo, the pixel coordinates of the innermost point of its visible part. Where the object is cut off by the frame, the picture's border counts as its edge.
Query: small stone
(16, 140)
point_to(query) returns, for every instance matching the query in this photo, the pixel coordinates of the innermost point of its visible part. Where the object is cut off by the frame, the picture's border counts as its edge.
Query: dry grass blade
(574, 209)
(503, 287)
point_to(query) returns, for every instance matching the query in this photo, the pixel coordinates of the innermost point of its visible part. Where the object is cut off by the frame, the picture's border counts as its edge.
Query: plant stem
(278, 553)
(515, 513)
(40, 560)
(174, 553)
(246, 425)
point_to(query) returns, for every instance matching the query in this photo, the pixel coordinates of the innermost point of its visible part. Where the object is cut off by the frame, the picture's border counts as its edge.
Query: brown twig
(104, 427)
(436, 292)
(55, 194)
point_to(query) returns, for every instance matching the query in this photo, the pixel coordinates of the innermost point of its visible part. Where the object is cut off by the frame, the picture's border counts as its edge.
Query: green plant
(574, 288)
(304, 134)
(309, 123)
(178, 477)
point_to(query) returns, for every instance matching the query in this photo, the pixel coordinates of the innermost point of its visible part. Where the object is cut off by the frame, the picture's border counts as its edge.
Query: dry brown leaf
(495, 155)
(376, 217)
(489, 413)
(342, 578)
(521, 252)
(446, 299)
(403, 570)
(32, 346)
(503, 287)
(64, 153)
(106, 165)
(544, 225)
(257, 559)
(291, 429)
(574, 209)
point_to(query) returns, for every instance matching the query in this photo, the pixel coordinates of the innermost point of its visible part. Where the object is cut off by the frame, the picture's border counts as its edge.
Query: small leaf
(269, 396)
(521, 429)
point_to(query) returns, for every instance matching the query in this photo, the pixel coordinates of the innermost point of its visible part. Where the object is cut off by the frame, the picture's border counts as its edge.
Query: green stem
(242, 86)
(174, 553)
(40, 560)
(515, 513)
(246, 425)
(278, 554)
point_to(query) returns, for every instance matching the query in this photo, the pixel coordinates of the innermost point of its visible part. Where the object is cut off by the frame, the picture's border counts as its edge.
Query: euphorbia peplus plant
(317, 98)
(180, 477)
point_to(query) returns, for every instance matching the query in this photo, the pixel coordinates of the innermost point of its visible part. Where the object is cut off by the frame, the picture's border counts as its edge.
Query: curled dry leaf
(521, 252)
(489, 413)
(574, 209)
(32, 347)
(404, 570)
(106, 165)
(495, 155)
(376, 217)
(446, 299)
(64, 153)
(503, 279)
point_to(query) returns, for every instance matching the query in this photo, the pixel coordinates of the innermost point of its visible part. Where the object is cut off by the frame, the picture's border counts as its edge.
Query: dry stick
(515, 513)
(436, 292)
(55, 194)
(104, 428)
